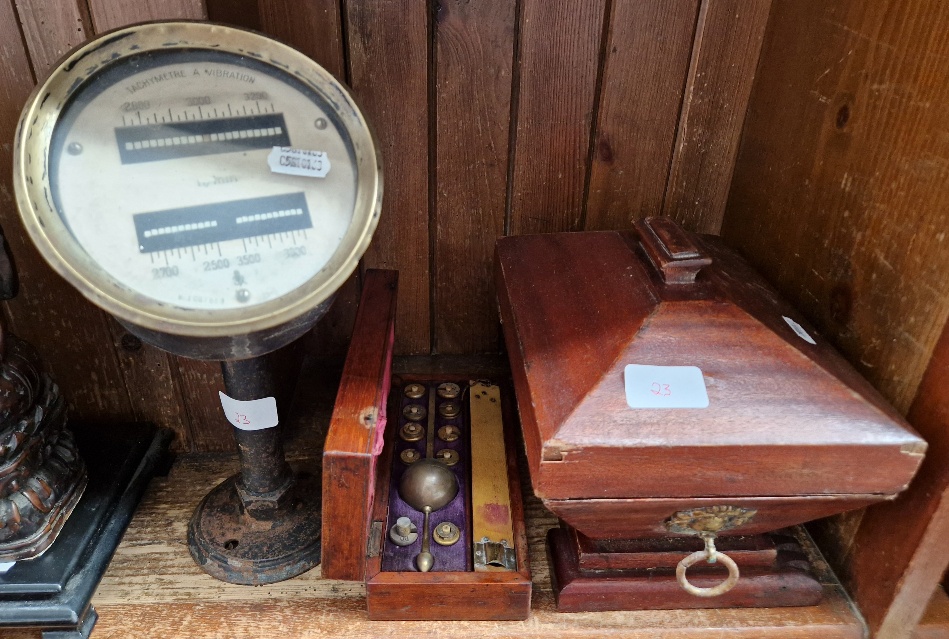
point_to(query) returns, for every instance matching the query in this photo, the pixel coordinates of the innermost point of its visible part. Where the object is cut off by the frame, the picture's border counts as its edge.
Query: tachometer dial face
(196, 176)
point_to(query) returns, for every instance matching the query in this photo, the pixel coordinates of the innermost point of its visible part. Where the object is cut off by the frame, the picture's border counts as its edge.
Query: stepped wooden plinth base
(640, 574)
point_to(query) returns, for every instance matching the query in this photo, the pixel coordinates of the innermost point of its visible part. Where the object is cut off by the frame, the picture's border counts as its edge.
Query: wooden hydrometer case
(479, 573)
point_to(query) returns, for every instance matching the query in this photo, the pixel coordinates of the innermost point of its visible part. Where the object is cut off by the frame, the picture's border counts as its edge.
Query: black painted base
(54, 591)
(231, 546)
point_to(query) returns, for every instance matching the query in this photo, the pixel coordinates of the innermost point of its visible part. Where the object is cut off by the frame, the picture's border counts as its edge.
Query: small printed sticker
(255, 414)
(665, 387)
(6, 566)
(799, 330)
(290, 161)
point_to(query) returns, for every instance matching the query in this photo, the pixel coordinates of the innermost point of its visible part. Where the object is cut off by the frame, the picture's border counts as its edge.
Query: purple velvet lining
(454, 558)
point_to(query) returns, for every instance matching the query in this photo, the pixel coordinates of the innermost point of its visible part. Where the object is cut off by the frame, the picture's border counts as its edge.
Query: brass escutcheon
(712, 519)
(706, 523)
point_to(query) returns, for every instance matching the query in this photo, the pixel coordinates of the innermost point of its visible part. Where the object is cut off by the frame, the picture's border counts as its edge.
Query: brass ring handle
(711, 557)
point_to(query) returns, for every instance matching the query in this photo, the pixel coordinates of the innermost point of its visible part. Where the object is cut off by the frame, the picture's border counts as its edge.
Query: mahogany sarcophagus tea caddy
(672, 403)
(420, 491)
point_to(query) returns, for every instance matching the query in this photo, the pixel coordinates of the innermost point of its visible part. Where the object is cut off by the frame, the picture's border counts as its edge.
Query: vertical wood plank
(646, 60)
(839, 198)
(388, 56)
(71, 335)
(240, 13)
(559, 60)
(474, 49)
(163, 388)
(51, 29)
(839, 194)
(329, 339)
(313, 27)
(112, 14)
(728, 39)
(199, 383)
(151, 381)
(900, 552)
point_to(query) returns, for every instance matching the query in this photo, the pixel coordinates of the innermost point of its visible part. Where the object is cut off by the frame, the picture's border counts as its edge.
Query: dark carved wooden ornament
(42, 476)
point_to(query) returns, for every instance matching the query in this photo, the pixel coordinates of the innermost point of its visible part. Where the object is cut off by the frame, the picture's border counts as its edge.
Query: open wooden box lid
(786, 414)
(355, 438)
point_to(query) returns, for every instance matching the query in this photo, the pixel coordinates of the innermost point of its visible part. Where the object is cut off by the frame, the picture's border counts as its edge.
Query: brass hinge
(374, 549)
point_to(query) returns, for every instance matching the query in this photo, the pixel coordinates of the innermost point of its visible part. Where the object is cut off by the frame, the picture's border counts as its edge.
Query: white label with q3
(290, 161)
(255, 414)
(665, 387)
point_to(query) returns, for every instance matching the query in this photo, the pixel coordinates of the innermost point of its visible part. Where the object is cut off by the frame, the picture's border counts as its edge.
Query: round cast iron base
(230, 545)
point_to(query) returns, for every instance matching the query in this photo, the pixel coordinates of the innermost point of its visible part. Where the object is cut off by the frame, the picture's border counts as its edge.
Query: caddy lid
(731, 391)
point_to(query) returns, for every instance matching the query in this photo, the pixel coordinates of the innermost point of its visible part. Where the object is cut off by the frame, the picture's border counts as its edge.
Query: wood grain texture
(199, 383)
(899, 552)
(728, 39)
(312, 27)
(618, 518)
(51, 29)
(644, 554)
(557, 74)
(839, 194)
(935, 621)
(785, 417)
(578, 591)
(152, 383)
(154, 589)
(71, 335)
(646, 59)
(388, 58)
(474, 48)
(349, 457)
(839, 198)
(109, 14)
(329, 339)
(239, 13)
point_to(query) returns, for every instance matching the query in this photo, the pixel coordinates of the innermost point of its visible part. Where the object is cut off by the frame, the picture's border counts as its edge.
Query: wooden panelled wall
(840, 197)
(493, 116)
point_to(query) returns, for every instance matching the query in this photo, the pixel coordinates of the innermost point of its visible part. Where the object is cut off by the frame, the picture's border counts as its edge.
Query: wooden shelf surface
(935, 622)
(154, 589)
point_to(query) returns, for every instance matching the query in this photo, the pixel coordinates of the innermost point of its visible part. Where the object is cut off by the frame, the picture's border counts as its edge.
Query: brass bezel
(63, 253)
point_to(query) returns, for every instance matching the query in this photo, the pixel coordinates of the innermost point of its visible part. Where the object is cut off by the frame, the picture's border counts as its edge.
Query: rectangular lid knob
(671, 250)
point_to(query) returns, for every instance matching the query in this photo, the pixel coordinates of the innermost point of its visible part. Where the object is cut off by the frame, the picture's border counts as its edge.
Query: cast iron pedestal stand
(261, 525)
